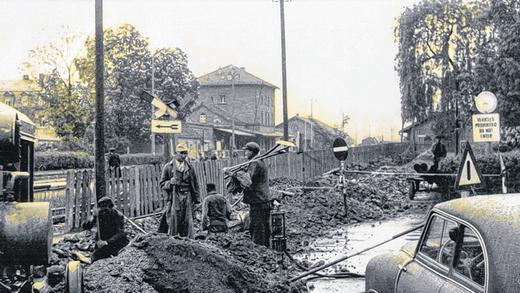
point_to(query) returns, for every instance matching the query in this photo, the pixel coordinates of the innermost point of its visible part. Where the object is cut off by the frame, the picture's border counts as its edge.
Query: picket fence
(136, 192)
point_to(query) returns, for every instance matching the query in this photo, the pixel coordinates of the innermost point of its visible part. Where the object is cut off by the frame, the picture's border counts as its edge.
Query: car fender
(382, 271)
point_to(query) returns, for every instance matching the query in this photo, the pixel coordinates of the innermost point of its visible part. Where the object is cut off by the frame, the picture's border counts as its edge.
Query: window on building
(222, 99)
(202, 118)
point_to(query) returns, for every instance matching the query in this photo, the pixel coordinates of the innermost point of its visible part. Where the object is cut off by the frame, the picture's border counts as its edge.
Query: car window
(437, 244)
(470, 259)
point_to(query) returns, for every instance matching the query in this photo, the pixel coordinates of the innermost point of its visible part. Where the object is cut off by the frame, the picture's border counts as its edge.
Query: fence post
(69, 196)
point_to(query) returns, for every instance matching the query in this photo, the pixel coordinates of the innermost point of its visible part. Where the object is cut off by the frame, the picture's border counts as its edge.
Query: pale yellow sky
(339, 53)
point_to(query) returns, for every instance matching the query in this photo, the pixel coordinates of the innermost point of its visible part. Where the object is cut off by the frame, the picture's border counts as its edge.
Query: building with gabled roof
(314, 134)
(231, 94)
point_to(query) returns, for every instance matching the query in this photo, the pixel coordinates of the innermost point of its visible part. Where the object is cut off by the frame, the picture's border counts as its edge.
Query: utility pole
(153, 93)
(284, 75)
(100, 106)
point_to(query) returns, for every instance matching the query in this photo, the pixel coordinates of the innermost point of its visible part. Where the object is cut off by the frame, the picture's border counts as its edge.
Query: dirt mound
(161, 263)
(369, 197)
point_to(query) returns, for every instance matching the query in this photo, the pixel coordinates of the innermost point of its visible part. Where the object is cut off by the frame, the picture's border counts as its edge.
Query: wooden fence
(136, 192)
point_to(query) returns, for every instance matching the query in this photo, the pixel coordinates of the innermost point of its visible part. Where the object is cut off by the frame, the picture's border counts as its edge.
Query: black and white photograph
(259, 146)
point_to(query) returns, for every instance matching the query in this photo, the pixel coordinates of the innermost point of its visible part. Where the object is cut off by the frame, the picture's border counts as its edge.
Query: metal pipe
(352, 255)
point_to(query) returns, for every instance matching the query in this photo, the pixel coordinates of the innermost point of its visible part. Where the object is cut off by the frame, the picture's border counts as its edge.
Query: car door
(428, 270)
(468, 271)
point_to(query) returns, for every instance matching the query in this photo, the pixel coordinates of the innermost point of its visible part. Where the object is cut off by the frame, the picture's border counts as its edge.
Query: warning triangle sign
(468, 173)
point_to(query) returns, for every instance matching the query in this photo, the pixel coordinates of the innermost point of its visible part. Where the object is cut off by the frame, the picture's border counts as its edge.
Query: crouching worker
(111, 237)
(216, 211)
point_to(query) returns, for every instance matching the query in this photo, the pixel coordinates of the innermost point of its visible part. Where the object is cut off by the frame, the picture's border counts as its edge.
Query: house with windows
(25, 96)
(314, 134)
(231, 101)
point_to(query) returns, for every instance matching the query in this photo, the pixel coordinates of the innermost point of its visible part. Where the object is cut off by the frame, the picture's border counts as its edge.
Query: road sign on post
(469, 173)
(164, 108)
(166, 126)
(340, 149)
(486, 127)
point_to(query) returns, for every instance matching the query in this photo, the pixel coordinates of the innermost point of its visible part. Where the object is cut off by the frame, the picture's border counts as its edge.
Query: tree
(53, 66)
(505, 15)
(439, 43)
(128, 72)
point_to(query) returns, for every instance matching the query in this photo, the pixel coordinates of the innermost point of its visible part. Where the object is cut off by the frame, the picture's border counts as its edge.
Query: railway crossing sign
(468, 174)
(340, 149)
(164, 108)
(166, 126)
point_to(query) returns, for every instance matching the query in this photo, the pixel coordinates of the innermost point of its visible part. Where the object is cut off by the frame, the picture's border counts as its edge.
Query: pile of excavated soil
(161, 263)
(310, 214)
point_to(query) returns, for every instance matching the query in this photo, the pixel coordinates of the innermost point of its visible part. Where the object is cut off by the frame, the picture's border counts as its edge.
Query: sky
(340, 54)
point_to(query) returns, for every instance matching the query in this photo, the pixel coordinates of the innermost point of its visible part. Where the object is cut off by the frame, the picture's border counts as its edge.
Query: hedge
(53, 160)
(490, 164)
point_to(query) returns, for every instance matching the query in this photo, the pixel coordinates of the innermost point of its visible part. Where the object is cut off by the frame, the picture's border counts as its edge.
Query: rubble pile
(311, 213)
(72, 247)
(161, 263)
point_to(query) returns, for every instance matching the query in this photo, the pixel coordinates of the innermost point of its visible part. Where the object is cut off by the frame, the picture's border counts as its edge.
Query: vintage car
(467, 245)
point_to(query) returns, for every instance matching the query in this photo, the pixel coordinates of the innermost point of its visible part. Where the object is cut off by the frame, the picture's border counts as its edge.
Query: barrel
(25, 233)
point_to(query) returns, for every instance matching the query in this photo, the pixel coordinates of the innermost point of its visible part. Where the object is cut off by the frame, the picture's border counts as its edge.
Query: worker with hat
(256, 194)
(111, 236)
(179, 182)
(439, 152)
(114, 162)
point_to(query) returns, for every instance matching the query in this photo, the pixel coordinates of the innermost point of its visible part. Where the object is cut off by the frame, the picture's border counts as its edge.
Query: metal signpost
(486, 126)
(163, 124)
(340, 149)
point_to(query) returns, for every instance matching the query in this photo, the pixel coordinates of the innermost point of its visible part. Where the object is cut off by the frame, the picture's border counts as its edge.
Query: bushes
(53, 160)
(490, 164)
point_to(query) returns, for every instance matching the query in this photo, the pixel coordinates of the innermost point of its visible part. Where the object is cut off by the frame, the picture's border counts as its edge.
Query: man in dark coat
(111, 237)
(114, 162)
(257, 196)
(439, 152)
(216, 210)
(179, 181)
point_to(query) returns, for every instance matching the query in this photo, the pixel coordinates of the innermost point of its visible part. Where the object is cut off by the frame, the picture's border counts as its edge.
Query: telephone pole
(284, 74)
(100, 104)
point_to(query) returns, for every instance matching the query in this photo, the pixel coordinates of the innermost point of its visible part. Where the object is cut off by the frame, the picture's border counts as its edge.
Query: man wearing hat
(114, 162)
(257, 196)
(179, 181)
(111, 237)
(439, 152)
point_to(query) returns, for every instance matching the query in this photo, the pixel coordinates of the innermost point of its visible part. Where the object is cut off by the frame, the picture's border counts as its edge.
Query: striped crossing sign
(340, 149)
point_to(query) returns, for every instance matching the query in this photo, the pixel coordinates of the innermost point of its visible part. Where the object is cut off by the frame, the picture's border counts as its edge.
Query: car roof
(491, 214)
(497, 219)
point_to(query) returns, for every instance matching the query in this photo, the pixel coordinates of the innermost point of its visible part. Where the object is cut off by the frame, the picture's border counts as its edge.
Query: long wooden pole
(100, 105)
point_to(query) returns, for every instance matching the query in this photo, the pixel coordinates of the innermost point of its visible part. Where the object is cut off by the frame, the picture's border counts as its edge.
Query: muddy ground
(232, 263)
